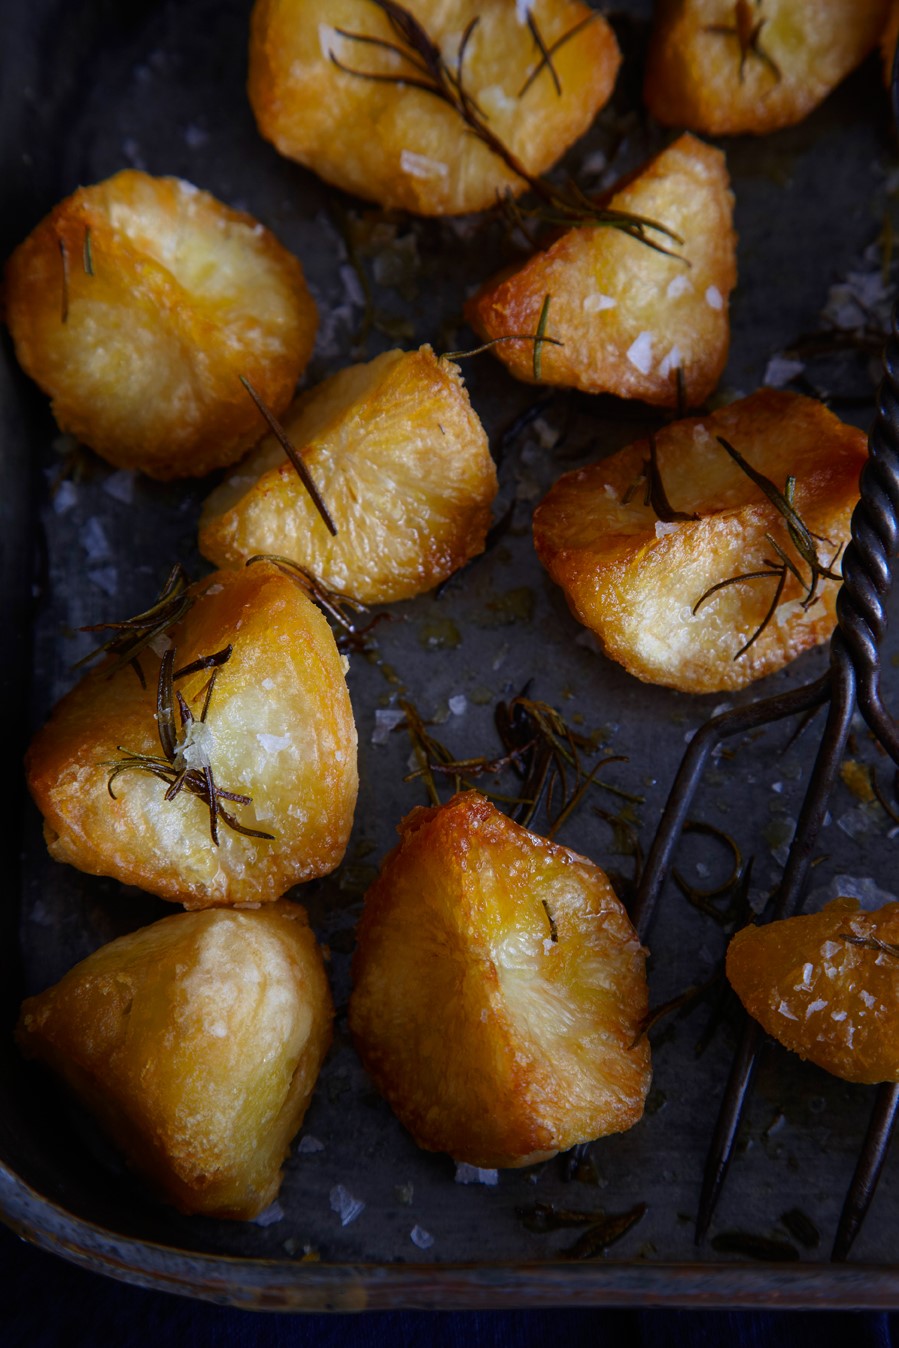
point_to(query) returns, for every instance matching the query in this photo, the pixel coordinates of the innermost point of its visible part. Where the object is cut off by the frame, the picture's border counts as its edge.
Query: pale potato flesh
(635, 580)
(196, 1042)
(491, 1039)
(402, 146)
(693, 77)
(280, 730)
(628, 317)
(825, 987)
(403, 465)
(140, 332)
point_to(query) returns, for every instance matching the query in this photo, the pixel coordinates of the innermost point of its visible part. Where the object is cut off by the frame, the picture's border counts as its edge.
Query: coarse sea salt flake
(344, 1204)
(596, 303)
(639, 353)
(662, 529)
(678, 285)
(422, 166)
(273, 744)
(713, 298)
(670, 362)
(475, 1174)
(309, 1144)
(420, 1237)
(386, 720)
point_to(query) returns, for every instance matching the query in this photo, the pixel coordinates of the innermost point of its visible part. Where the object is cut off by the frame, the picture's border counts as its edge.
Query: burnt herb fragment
(800, 536)
(293, 455)
(423, 68)
(176, 766)
(655, 495)
(87, 260)
(597, 1239)
(135, 634)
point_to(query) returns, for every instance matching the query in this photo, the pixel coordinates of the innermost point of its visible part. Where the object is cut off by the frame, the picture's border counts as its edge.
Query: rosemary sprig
(293, 455)
(87, 259)
(135, 634)
(337, 607)
(747, 29)
(173, 766)
(540, 338)
(801, 537)
(423, 68)
(869, 943)
(655, 495)
(548, 52)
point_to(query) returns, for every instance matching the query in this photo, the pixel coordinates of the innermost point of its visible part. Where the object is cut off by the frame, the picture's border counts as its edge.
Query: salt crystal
(458, 704)
(663, 529)
(309, 1144)
(273, 744)
(344, 1204)
(195, 749)
(785, 1011)
(64, 497)
(523, 9)
(474, 1174)
(639, 353)
(94, 541)
(670, 362)
(596, 303)
(678, 286)
(713, 298)
(421, 165)
(780, 370)
(386, 720)
(268, 684)
(838, 1015)
(817, 1005)
(120, 486)
(273, 1213)
(420, 1237)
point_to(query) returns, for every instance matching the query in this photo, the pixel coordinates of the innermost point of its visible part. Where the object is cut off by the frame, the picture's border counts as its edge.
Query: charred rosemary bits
(648, 322)
(431, 109)
(737, 579)
(138, 303)
(499, 990)
(228, 779)
(399, 455)
(196, 1043)
(727, 67)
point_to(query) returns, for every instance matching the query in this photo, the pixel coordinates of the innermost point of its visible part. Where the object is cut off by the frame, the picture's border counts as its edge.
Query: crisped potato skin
(634, 581)
(403, 464)
(826, 997)
(196, 1043)
(492, 1041)
(628, 316)
(283, 733)
(185, 296)
(401, 146)
(693, 75)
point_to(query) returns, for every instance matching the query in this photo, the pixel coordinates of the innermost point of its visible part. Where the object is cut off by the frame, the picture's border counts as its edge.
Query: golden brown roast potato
(394, 142)
(825, 985)
(196, 1043)
(402, 463)
(138, 303)
(499, 990)
(627, 316)
(727, 67)
(637, 580)
(279, 729)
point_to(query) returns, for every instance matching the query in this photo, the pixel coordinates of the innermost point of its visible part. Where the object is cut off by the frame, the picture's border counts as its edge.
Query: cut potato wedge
(628, 317)
(196, 1043)
(390, 140)
(825, 985)
(403, 465)
(636, 580)
(728, 67)
(279, 729)
(137, 305)
(499, 990)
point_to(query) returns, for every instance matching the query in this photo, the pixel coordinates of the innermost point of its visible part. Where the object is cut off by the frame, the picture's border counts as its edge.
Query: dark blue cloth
(48, 1303)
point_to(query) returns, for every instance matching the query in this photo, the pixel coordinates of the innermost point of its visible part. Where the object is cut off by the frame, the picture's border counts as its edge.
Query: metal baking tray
(88, 89)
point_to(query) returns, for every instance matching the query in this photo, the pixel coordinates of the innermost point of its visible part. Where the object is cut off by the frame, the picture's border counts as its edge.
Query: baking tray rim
(290, 1286)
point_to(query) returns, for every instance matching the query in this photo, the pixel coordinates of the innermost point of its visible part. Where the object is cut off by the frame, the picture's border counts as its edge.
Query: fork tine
(867, 1170)
(814, 807)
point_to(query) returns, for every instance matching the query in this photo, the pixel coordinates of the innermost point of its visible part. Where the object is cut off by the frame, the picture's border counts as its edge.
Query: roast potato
(138, 303)
(499, 990)
(196, 1043)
